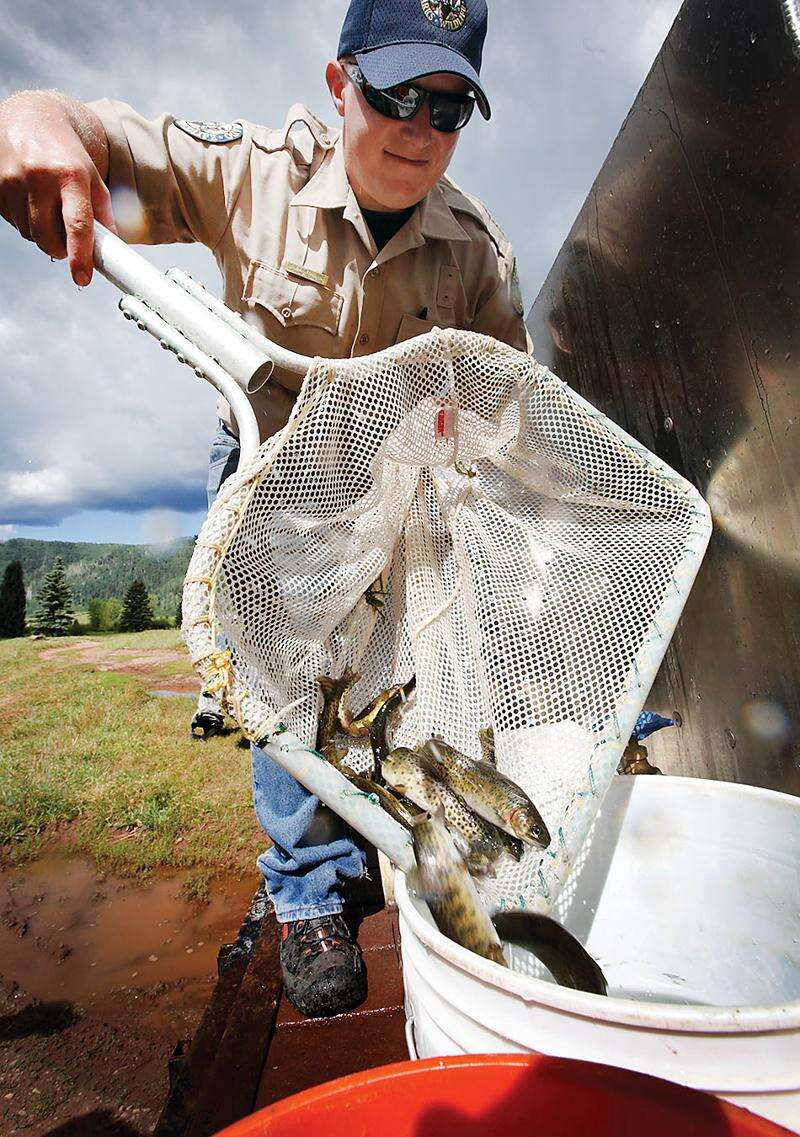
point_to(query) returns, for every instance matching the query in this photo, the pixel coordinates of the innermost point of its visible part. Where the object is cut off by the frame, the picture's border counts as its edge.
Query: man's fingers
(101, 204)
(46, 227)
(14, 207)
(78, 215)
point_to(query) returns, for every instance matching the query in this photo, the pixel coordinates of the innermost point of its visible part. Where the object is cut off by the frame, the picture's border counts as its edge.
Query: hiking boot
(206, 724)
(323, 969)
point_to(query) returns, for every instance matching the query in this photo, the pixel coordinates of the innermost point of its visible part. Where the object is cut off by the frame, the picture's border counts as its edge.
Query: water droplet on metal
(730, 738)
(752, 37)
(656, 323)
(708, 463)
(668, 424)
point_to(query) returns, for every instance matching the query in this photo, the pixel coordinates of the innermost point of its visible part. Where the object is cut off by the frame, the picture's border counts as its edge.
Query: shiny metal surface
(674, 306)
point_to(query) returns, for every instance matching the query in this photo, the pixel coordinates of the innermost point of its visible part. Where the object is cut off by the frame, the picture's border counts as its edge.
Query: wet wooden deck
(252, 1048)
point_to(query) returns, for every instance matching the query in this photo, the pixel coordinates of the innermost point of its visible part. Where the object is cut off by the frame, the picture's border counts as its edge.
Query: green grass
(94, 750)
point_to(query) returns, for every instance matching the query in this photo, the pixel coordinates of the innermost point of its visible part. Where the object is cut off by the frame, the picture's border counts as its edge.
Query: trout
(475, 838)
(491, 794)
(379, 729)
(328, 722)
(405, 813)
(358, 726)
(565, 958)
(441, 878)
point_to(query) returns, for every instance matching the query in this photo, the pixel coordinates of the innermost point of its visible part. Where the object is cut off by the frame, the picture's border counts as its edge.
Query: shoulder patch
(211, 131)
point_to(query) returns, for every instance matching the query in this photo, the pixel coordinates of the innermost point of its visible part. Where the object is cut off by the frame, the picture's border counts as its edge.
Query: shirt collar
(328, 188)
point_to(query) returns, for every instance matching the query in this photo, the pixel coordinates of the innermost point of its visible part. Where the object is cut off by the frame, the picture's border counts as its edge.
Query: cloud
(95, 418)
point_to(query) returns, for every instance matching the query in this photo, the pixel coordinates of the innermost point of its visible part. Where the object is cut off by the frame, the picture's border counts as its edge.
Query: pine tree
(54, 616)
(12, 601)
(137, 612)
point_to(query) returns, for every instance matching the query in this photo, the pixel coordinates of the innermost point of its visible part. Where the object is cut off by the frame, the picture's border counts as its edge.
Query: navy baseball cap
(395, 41)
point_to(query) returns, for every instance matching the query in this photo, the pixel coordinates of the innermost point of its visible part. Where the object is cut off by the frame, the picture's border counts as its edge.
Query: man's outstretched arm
(53, 166)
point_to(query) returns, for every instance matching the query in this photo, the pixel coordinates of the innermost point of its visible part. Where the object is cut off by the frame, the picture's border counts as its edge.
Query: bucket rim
(766, 1017)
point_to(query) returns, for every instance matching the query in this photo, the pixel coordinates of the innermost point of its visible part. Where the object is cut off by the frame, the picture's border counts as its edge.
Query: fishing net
(449, 508)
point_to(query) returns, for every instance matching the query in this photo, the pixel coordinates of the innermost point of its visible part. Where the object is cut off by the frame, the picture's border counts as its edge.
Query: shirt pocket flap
(292, 302)
(411, 326)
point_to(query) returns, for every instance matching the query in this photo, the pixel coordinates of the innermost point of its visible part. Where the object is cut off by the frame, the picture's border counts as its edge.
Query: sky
(103, 436)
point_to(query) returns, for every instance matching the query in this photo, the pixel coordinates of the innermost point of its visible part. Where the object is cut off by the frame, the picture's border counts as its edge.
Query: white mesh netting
(535, 560)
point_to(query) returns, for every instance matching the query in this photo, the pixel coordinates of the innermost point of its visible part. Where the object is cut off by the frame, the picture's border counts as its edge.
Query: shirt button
(286, 313)
(376, 272)
(364, 338)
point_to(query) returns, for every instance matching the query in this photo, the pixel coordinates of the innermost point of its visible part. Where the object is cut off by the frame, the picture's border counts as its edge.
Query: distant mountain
(103, 571)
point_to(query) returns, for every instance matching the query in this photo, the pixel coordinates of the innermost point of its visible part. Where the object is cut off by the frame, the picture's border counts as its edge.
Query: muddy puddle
(73, 934)
(100, 977)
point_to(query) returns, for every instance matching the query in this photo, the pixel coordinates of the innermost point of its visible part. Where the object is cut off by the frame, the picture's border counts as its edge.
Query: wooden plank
(231, 1083)
(192, 1072)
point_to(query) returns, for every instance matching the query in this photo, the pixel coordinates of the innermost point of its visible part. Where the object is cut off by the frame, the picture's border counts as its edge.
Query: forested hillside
(104, 571)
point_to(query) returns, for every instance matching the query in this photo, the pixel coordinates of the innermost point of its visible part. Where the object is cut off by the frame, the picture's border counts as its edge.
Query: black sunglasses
(448, 112)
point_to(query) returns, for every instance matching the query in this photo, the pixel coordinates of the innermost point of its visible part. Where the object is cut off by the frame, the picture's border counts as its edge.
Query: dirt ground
(146, 663)
(100, 977)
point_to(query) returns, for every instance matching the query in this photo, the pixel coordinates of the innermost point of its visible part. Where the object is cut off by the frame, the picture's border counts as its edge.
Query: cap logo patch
(448, 14)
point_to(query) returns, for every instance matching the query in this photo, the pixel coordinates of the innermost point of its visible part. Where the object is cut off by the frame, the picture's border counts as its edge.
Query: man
(331, 245)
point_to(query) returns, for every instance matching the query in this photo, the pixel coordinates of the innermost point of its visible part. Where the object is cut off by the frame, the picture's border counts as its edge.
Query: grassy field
(90, 753)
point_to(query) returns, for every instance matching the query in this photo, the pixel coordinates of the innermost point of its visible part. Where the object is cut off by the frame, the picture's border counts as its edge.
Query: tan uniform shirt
(296, 256)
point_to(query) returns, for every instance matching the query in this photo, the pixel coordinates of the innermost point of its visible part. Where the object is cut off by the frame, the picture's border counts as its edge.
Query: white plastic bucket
(690, 902)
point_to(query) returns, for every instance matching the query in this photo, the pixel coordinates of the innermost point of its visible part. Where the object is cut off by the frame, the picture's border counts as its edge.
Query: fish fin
(429, 763)
(486, 736)
(487, 768)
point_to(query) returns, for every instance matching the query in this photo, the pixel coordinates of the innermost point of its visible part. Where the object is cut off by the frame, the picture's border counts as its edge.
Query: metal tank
(674, 306)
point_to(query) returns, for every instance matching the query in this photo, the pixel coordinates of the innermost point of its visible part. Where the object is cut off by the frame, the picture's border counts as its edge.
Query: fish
(491, 794)
(328, 722)
(486, 737)
(379, 728)
(405, 813)
(358, 726)
(476, 839)
(441, 878)
(565, 958)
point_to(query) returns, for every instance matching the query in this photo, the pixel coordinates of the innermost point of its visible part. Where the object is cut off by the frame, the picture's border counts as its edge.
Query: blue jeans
(313, 851)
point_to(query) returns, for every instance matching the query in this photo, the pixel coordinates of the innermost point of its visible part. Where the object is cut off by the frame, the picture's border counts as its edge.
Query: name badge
(306, 273)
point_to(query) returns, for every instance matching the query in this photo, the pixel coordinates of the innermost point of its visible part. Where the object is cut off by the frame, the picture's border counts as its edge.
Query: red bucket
(505, 1094)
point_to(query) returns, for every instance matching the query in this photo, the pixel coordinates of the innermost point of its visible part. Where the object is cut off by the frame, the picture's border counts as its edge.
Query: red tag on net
(444, 424)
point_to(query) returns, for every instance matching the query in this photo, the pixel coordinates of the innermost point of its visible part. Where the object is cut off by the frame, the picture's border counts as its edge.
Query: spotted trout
(491, 794)
(480, 842)
(441, 878)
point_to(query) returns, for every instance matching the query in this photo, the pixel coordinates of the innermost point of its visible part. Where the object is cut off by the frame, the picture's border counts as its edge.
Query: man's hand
(53, 161)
